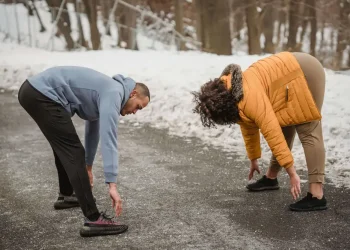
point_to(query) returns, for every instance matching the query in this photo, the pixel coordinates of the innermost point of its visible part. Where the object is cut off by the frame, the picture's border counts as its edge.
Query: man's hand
(91, 177)
(294, 182)
(116, 200)
(254, 166)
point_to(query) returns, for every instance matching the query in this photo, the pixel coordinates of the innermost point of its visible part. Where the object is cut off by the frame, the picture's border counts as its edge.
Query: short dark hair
(143, 90)
(215, 104)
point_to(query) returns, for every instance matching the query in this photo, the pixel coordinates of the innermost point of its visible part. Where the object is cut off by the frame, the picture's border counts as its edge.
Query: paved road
(176, 195)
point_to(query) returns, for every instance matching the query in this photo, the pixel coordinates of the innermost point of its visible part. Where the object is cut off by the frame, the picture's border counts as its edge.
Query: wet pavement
(177, 193)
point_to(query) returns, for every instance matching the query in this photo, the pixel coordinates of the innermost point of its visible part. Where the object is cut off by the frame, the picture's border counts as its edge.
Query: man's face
(135, 103)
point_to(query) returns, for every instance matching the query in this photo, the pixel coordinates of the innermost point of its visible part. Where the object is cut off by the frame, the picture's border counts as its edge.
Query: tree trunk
(42, 27)
(282, 13)
(63, 23)
(81, 39)
(127, 32)
(199, 21)
(305, 21)
(332, 36)
(268, 27)
(29, 8)
(238, 18)
(216, 26)
(322, 34)
(253, 29)
(91, 12)
(106, 7)
(343, 32)
(313, 21)
(179, 22)
(293, 25)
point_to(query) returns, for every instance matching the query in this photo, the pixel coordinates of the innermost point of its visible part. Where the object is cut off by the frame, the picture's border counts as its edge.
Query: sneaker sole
(65, 206)
(263, 189)
(309, 209)
(98, 231)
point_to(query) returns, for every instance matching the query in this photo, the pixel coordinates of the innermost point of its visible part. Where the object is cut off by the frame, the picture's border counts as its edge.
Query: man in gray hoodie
(51, 98)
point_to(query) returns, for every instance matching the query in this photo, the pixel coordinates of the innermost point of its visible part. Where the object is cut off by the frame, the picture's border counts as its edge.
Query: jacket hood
(128, 85)
(232, 78)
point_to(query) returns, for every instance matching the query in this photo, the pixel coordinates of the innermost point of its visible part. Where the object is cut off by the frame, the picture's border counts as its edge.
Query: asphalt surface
(177, 193)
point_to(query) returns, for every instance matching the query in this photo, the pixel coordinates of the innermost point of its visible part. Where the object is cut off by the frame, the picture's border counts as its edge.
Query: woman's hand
(254, 166)
(294, 182)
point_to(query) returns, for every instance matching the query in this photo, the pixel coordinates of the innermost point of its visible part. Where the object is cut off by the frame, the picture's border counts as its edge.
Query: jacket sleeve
(109, 118)
(251, 136)
(259, 109)
(92, 137)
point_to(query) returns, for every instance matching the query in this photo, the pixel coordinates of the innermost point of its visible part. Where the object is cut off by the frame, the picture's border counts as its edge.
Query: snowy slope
(171, 77)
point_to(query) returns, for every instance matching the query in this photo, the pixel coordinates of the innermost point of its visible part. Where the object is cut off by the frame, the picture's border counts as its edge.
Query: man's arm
(92, 137)
(109, 118)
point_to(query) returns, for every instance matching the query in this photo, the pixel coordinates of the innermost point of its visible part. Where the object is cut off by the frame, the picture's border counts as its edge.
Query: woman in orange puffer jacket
(279, 95)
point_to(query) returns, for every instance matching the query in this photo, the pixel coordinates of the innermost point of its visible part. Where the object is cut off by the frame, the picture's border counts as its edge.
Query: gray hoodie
(94, 97)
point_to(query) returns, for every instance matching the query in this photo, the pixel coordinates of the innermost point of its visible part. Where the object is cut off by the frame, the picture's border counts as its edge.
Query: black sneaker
(65, 202)
(262, 184)
(103, 226)
(309, 203)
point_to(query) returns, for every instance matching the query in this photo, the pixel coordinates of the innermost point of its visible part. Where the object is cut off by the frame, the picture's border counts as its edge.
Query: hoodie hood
(128, 85)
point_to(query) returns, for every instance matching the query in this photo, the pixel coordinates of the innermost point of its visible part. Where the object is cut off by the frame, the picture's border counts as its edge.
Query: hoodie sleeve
(92, 137)
(110, 105)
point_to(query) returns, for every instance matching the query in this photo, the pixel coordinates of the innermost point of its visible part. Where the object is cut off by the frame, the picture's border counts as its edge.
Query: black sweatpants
(57, 126)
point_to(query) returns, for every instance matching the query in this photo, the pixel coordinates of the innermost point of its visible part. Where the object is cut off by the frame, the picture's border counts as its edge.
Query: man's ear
(133, 93)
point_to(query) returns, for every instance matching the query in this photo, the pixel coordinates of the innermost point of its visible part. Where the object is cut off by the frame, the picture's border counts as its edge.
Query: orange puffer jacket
(276, 94)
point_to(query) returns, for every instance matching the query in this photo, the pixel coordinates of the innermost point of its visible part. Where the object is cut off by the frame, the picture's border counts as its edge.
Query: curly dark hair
(216, 105)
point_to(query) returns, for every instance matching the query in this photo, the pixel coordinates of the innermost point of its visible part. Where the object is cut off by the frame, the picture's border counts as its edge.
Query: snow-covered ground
(171, 77)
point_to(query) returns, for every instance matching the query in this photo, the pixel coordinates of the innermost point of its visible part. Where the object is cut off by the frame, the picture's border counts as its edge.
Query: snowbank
(171, 77)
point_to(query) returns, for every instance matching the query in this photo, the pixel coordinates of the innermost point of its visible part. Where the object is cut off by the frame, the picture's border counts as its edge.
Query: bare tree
(293, 25)
(213, 19)
(305, 18)
(29, 8)
(91, 11)
(268, 27)
(106, 6)
(81, 39)
(252, 18)
(309, 16)
(322, 28)
(127, 28)
(63, 23)
(198, 11)
(343, 31)
(282, 18)
(313, 22)
(238, 17)
(30, 5)
(179, 21)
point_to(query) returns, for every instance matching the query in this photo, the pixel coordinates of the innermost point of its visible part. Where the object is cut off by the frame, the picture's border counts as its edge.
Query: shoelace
(106, 218)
